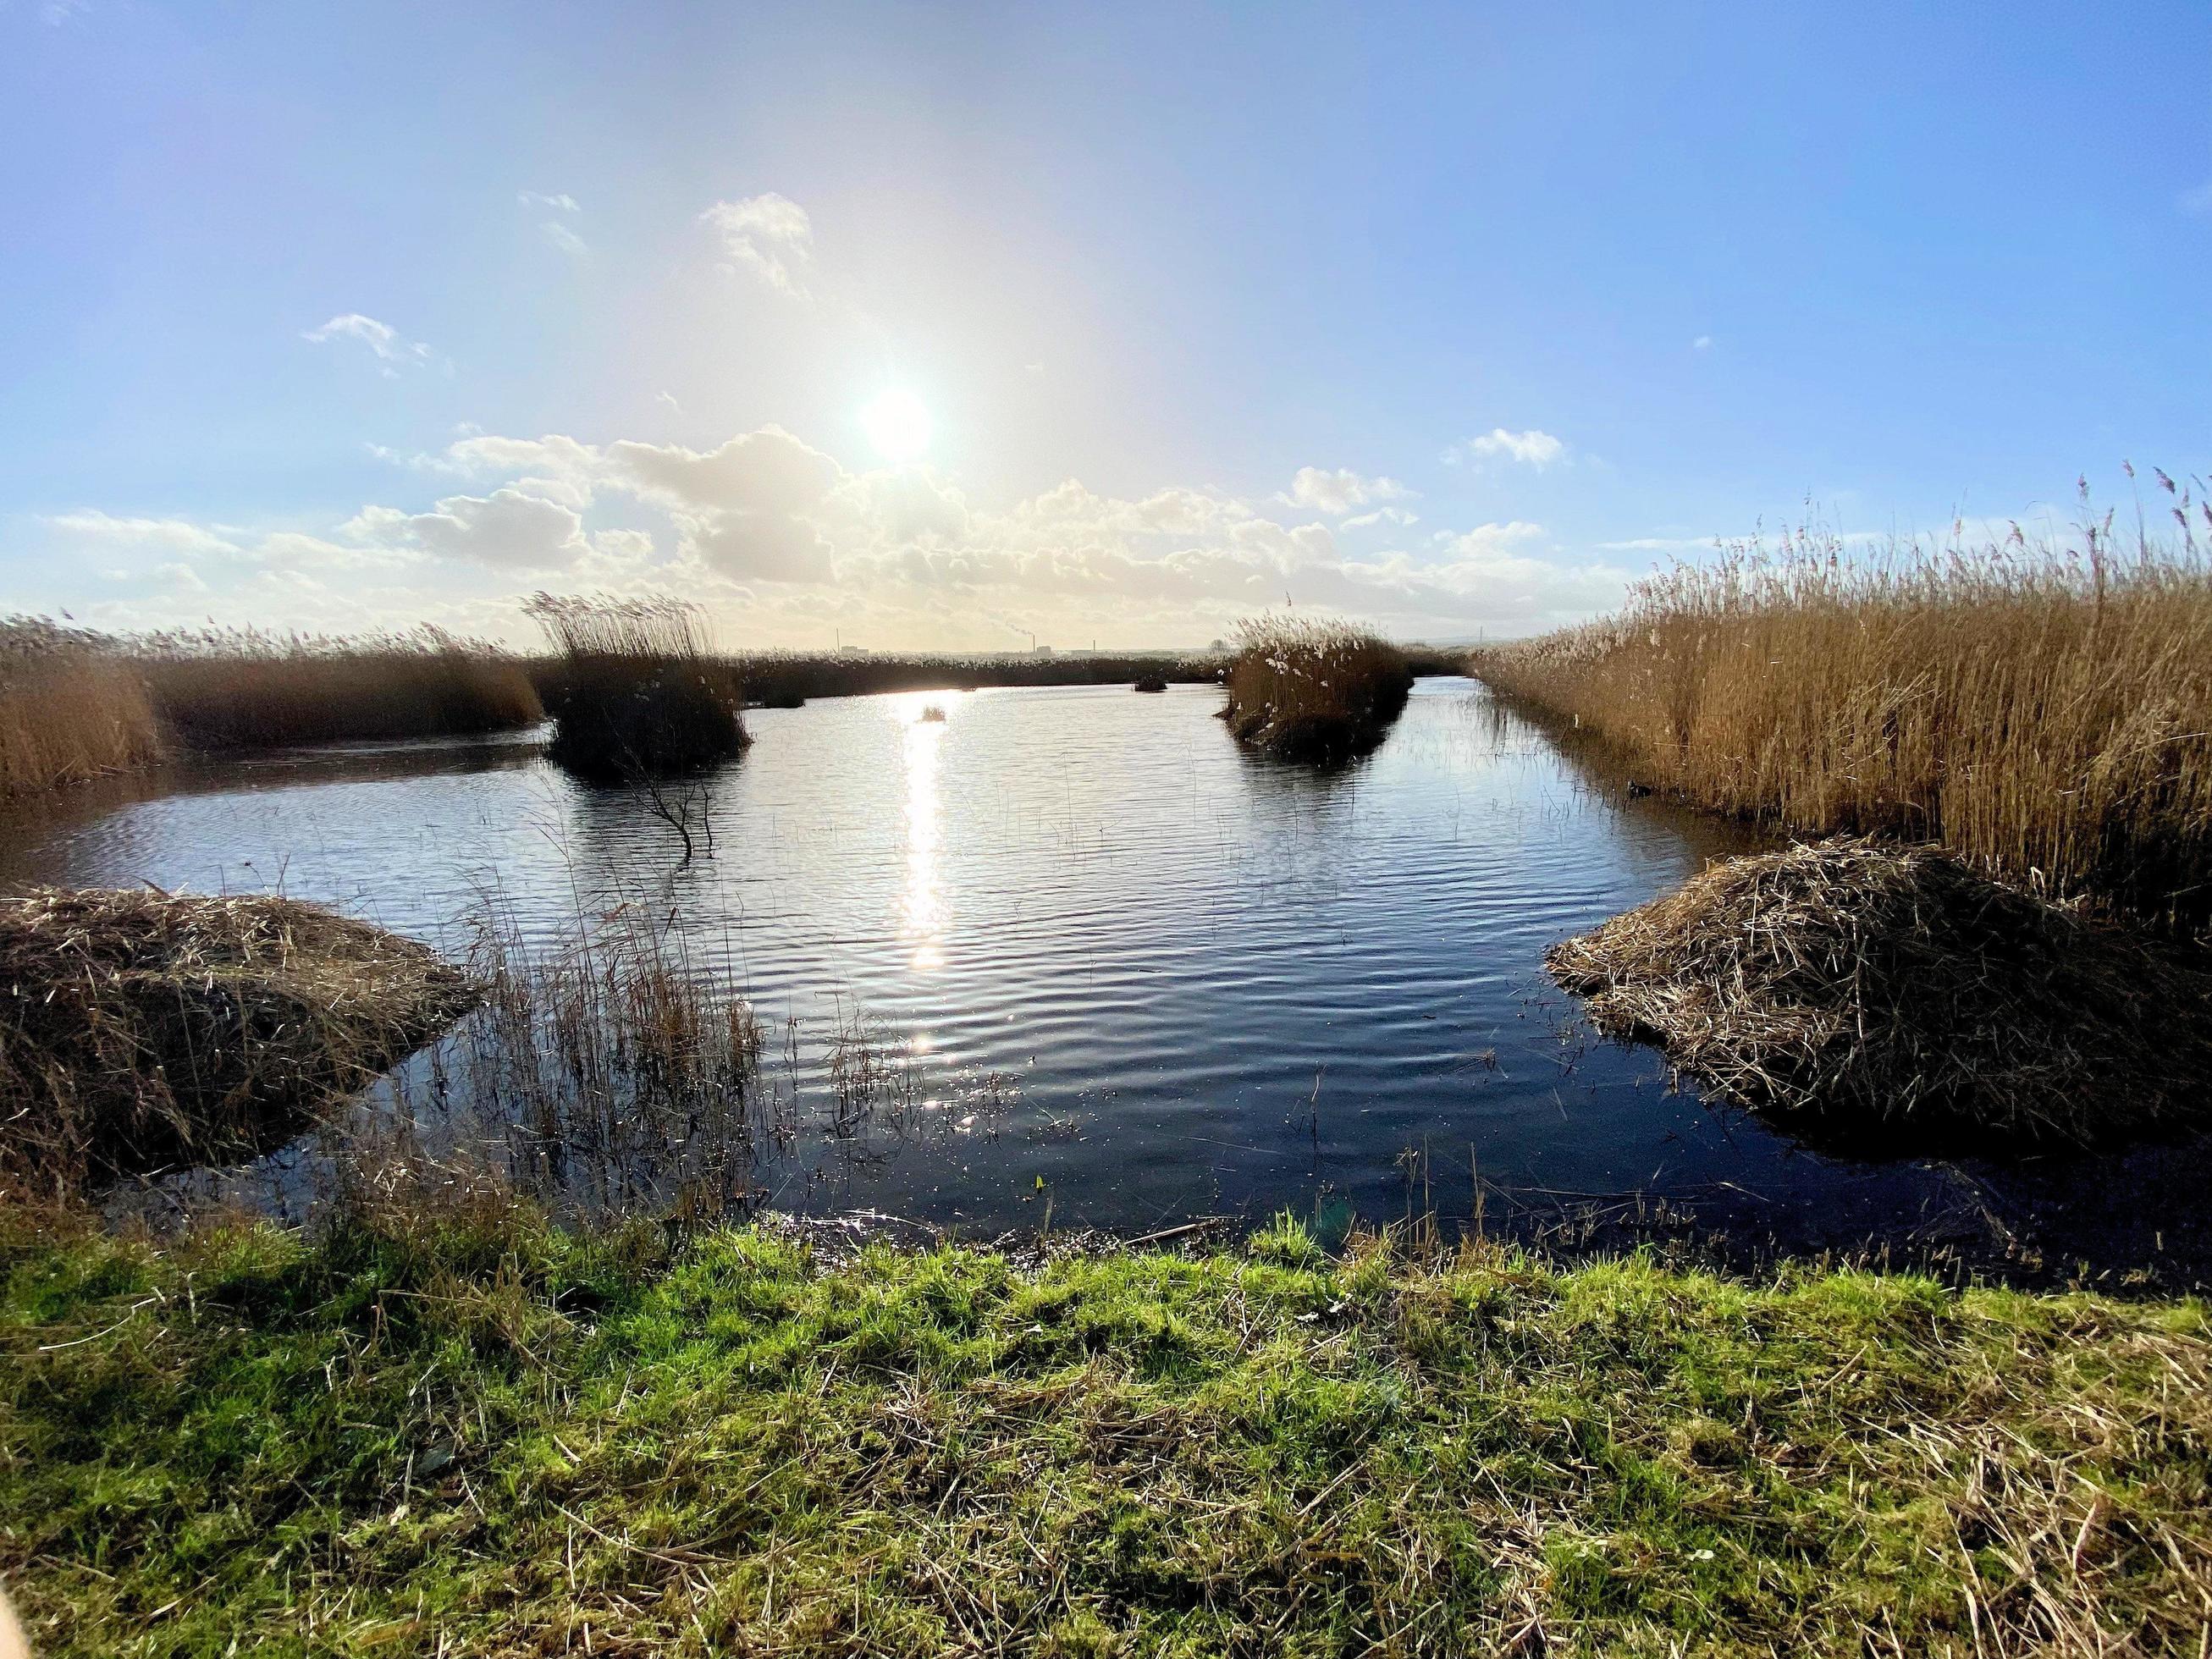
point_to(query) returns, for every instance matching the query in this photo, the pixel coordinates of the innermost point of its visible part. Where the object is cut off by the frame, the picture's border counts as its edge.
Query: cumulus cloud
(1530, 448)
(768, 236)
(511, 529)
(1338, 491)
(384, 342)
(767, 527)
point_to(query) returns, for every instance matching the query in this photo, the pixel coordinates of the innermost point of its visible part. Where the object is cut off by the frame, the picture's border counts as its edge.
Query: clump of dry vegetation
(139, 1029)
(2044, 708)
(70, 709)
(241, 688)
(612, 1061)
(636, 692)
(1306, 688)
(1877, 989)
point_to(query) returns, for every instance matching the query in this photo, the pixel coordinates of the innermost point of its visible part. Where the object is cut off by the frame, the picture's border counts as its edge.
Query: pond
(1122, 971)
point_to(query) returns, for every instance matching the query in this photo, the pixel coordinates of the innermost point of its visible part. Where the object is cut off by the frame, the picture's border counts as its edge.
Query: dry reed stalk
(2044, 710)
(69, 710)
(1874, 989)
(240, 688)
(142, 1028)
(1312, 689)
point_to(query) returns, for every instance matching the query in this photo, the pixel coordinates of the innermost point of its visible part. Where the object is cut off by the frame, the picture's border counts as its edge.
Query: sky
(960, 327)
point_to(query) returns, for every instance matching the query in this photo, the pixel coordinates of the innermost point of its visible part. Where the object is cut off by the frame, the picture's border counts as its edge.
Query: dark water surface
(1124, 969)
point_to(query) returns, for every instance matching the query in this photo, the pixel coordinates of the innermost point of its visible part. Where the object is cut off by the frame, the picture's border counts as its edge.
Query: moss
(477, 1429)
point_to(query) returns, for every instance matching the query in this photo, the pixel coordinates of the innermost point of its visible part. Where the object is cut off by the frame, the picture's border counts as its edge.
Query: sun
(897, 425)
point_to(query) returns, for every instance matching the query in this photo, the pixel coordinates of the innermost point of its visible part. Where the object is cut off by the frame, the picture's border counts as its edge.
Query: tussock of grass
(1880, 990)
(636, 693)
(2043, 709)
(240, 688)
(70, 709)
(141, 1028)
(1307, 690)
(456, 1430)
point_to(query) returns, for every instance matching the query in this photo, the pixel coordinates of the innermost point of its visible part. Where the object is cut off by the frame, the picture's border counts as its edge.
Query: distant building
(1040, 651)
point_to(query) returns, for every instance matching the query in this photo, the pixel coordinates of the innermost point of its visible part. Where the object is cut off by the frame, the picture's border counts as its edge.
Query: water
(1121, 969)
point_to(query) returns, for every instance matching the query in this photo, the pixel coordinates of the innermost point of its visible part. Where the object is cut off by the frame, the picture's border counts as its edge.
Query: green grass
(482, 1435)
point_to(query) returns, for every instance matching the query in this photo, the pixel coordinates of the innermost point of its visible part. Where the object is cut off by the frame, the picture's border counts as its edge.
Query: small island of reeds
(634, 692)
(1314, 689)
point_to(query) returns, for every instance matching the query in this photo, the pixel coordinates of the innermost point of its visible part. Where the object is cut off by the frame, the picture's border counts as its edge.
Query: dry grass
(1876, 989)
(141, 1028)
(70, 709)
(2043, 709)
(615, 1066)
(240, 688)
(636, 692)
(1311, 689)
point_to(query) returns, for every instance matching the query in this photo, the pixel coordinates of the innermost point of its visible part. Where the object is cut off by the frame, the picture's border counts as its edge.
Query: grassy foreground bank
(479, 1435)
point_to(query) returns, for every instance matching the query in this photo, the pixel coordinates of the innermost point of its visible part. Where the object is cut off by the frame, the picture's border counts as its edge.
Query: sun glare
(897, 425)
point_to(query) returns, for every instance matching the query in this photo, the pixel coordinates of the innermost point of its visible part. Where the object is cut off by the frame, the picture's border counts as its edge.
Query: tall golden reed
(2042, 707)
(242, 687)
(70, 708)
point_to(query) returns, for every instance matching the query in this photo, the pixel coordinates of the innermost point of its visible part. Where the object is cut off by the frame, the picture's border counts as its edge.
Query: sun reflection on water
(925, 716)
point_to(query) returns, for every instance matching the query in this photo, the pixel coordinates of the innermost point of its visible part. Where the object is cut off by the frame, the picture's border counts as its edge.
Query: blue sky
(1451, 318)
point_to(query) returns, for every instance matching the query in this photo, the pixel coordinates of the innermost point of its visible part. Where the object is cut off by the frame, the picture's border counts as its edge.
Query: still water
(1126, 970)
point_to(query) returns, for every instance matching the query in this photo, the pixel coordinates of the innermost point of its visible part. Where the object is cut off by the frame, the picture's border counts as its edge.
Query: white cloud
(785, 541)
(1338, 491)
(510, 529)
(564, 239)
(1703, 343)
(171, 535)
(1530, 448)
(556, 231)
(391, 352)
(769, 235)
(1390, 515)
(2198, 200)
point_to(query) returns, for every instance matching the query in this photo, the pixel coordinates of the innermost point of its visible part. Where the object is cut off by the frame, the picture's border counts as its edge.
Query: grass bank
(1308, 689)
(453, 1429)
(69, 710)
(240, 688)
(2043, 708)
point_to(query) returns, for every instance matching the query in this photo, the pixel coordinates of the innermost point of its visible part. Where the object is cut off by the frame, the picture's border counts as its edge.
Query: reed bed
(635, 691)
(139, 1029)
(239, 688)
(1872, 991)
(2043, 708)
(1312, 690)
(70, 709)
(615, 1066)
